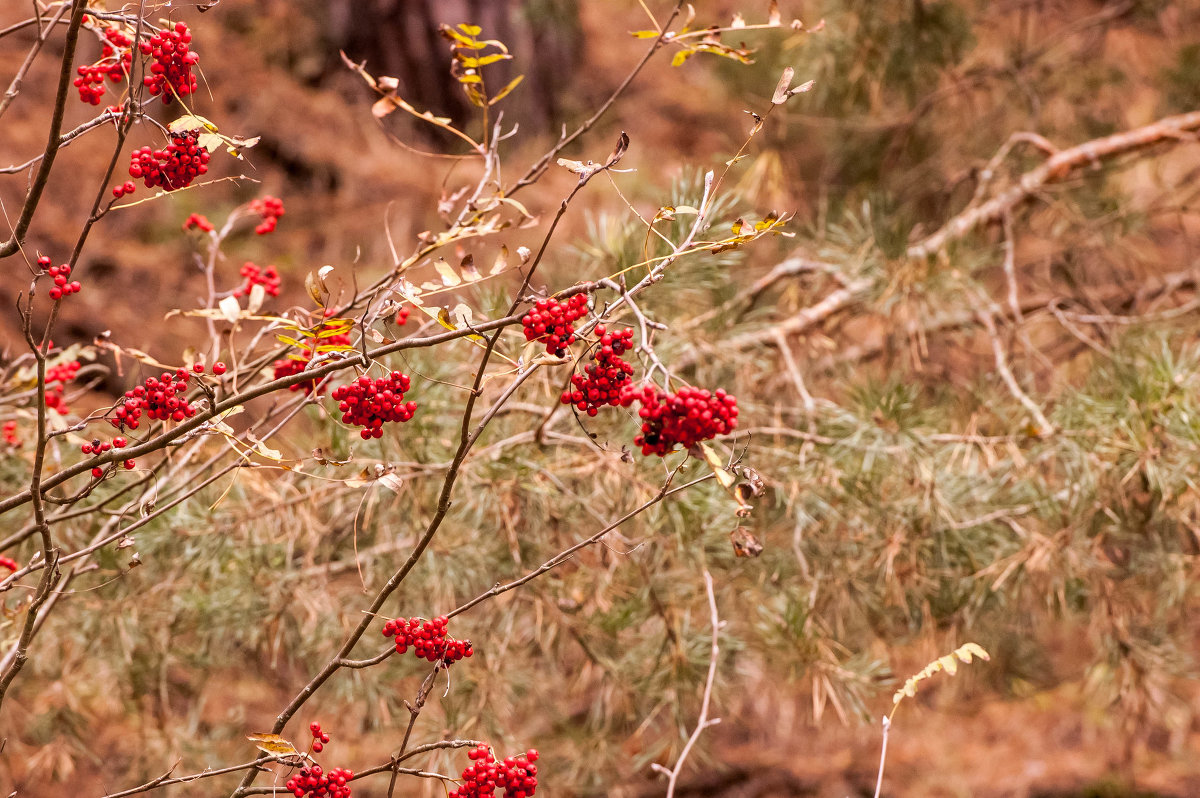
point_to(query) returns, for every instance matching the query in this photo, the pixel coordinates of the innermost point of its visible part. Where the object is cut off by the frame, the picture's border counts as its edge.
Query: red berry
(97, 472)
(218, 368)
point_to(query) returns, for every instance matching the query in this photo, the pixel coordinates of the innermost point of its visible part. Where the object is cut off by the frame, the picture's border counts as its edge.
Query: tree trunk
(400, 38)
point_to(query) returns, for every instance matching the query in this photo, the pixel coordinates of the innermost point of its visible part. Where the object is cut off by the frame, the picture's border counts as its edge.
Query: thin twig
(703, 722)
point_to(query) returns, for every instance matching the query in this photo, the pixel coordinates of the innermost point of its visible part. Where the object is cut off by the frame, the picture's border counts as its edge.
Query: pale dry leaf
(231, 310)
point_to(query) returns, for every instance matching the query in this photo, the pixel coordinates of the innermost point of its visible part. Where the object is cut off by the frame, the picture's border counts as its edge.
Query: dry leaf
(273, 744)
(744, 543)
(230, 309)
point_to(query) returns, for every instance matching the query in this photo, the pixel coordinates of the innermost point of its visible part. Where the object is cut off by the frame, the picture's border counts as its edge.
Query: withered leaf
(619, 150)
(744, 543)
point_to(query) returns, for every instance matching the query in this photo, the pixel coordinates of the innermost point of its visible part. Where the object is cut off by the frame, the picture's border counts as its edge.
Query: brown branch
(563, 556)
(703, 722)
(14, 88)
(1056, 168)
(65, 76)
(852, 293)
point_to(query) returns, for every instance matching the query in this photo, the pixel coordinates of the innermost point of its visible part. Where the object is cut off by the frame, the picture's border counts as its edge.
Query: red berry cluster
(294, 365)
(684, 418)
(10, 434)
(316, 783)
(268, 278)
(114, 64)
(59, 275)
(402, 316)
(320, 738)
(127, 187)
(56, 379)
(427, 639)
(603, 381)
(369, 403)
(171, 72)
(174, 167)
(197, 221)
(157, 398)
(550, 322)
(517, 776)
(98, 446)
(9, 563)
(270, 209)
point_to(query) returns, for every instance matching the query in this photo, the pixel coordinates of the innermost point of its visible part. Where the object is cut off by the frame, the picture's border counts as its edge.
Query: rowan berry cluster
(550, 322)
(368, 403)
(296, 364)
(59, 274)
(320, 738)
(606, 377)
(9, 563)
(270, 209)
(517, 776)
(175, 166)
(115, 62)
(171, 73)
(127, 187)
(268, 278)
(10, 434)
(98, 446)
(158, 398)
(684, 418)
(402, 316)
(316, 783)
(56, 379)
(198, 221)
(427, 639)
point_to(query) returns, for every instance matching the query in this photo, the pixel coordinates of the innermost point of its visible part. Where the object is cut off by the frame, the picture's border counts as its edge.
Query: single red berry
(218, 368)
(198, 368)
(97, 472)
(129, 464)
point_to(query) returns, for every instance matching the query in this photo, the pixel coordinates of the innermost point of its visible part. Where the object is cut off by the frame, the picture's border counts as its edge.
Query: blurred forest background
(997, 443)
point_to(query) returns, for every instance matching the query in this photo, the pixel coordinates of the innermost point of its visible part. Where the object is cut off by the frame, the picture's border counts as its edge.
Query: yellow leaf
(210, 141)
(273, 744)
(644, 34)
(449, 277)
(969, 650)
(501, 263)
(191, 122)
(717, 465)
(512, 84)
